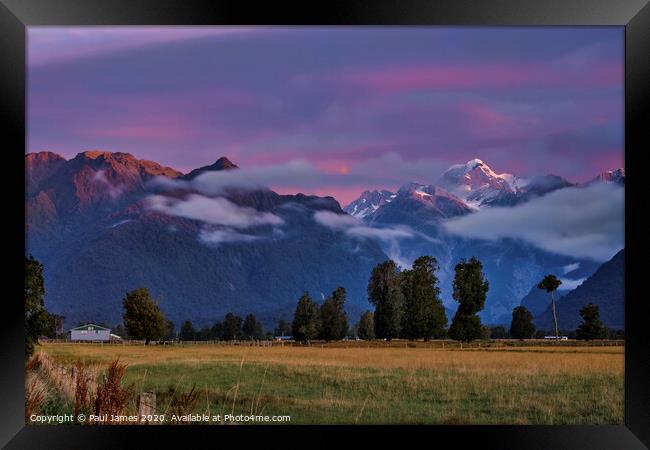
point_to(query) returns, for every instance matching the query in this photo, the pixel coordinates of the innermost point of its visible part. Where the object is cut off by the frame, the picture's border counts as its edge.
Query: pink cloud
(142, 132)
(484, 76)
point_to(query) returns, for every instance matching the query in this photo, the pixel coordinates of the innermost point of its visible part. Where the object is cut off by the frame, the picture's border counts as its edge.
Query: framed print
(394, 219)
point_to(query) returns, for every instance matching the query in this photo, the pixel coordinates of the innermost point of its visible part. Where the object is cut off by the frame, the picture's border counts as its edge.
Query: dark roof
(85, 326)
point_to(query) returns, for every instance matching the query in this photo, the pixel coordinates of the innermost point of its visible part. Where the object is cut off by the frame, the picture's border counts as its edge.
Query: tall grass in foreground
(111, 397)
(77, 385)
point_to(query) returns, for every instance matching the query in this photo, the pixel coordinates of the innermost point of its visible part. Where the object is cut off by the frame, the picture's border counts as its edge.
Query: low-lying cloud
(353, 227)
(569, 285)
(225, 235)
(581, 222)
(570, 267)
(213, 211)
(114, 191)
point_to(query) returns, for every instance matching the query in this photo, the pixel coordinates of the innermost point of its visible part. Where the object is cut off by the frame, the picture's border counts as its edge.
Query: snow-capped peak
(611, 176)
(475, 175)
(369, 202)
(474, 162)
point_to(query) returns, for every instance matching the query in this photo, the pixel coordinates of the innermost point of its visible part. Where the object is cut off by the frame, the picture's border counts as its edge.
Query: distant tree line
(407, 305)
(231, 328)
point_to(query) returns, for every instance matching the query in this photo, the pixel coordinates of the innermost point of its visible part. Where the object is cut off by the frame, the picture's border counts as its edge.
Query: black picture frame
(634, 15)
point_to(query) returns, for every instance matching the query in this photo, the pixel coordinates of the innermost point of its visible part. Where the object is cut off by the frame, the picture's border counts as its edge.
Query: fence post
(146, 404)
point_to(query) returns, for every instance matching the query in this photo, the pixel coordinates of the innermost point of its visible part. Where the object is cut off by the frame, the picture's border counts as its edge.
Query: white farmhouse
(90, 332)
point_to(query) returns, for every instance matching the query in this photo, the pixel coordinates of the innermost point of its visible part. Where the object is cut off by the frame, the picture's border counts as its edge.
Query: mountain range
(512, 267)
(101, 225)
(90, 222)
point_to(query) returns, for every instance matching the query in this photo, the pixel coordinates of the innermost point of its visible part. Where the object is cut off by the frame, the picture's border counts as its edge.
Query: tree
(366, 326)
(54, 327)
(283, 328)
(306, 320)
(521, 326)
(384, 291)
(169, 333)
(424, 314)
(217, 330)
(204, 334)
(499, 332)
(37, 319)
(142, 316)
(231, 327)
(470, 290)
(550, 283)
(591, 326)
(334, 321)
(187, 331)
(251, 328)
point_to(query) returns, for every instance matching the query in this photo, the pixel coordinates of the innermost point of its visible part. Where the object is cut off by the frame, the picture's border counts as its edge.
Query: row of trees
(143, 319)
(408, 305)
(231, 328)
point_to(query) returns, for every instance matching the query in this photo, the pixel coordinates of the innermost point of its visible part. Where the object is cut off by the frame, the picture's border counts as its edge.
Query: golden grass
(517, 360)
(513, 385)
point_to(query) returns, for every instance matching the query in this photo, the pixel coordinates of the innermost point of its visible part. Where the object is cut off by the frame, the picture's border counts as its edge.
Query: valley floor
(396, 384)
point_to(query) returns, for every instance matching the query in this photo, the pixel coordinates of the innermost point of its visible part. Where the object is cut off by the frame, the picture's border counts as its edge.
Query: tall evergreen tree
(521, 326)
(306, 319)
(366, 326)
(187, 331)
(37, 319)
(217, 331)
(424, 314)
(470, 290)
(334, 321)
(252, 329)
(143, 318)
(231, 327)
(591, 326)
(204, 334)
(550, 283)
(169, 332)
(384, 291)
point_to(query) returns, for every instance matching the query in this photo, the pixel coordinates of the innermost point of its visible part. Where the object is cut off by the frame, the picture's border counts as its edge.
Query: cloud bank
(214, 211)
(222, 219)
(355, 228)
(581, 222)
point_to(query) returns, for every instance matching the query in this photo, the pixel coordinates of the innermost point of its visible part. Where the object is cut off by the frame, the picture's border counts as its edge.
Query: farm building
(90, 332)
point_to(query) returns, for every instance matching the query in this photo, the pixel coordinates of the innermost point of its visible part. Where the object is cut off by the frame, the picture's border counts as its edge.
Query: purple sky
(368, 107)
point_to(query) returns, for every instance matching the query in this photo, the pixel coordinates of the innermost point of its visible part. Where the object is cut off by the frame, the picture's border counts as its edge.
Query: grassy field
(420, 385)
